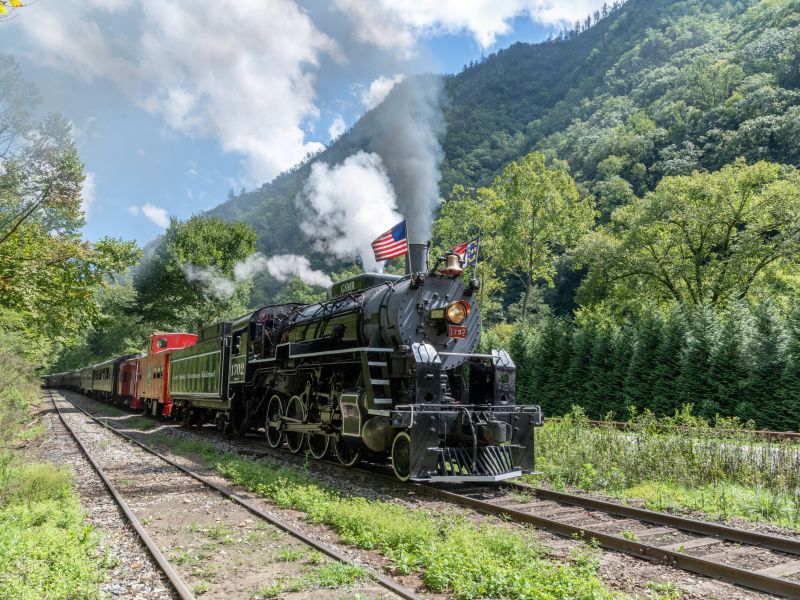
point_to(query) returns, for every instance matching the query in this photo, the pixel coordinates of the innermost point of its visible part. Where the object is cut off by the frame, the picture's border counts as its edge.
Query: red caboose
(151, 391)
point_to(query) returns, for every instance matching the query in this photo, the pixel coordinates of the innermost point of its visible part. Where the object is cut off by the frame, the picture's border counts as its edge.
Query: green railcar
(198, 375)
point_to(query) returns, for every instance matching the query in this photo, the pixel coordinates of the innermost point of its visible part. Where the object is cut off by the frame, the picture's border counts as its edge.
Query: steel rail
(655, 554)
(161, 560)
(723, 532)
(385, 581)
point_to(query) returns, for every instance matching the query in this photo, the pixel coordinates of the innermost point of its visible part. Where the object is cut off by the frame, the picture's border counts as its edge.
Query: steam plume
(405, 132)
(346, 206)
(282, 267)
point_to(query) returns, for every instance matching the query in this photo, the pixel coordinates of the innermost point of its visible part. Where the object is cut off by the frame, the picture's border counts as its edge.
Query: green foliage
(701, 239)
(117, 330)
(46, 549)
(45, 267)
(189, 281)
(531, 214)
(736, 362)
(724, 469)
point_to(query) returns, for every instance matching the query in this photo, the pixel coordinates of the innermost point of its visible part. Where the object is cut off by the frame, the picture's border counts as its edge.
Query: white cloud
(243, 75)
(134, 210)
(157, 215)
(398, 25)
(88, 192)
(337, 127)
(378, 90)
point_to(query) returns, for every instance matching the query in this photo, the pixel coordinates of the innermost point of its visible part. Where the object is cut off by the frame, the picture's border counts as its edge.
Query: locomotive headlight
(457, 312)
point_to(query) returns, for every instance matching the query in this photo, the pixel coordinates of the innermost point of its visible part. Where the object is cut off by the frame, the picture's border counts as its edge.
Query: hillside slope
(658, 87)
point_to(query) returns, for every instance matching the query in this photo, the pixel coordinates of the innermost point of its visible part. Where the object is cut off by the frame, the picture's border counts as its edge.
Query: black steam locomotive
(383, 369)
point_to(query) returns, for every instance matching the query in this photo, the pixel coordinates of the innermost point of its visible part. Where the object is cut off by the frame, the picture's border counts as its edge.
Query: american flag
(391, 244)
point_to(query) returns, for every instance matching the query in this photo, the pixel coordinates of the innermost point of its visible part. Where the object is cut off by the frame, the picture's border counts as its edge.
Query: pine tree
(694, 384)
(668, 363)
(790, 380)
(544, 358)
(620, 359)
(728, 368)
(520, 348)
(580, 357)
(598, 386)
(763, 402)
(639, 379)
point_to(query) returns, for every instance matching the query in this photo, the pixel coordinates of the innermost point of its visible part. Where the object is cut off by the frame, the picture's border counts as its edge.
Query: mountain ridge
(656, 88)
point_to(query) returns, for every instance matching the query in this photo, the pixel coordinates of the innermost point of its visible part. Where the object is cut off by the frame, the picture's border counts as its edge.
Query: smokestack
(417, 258)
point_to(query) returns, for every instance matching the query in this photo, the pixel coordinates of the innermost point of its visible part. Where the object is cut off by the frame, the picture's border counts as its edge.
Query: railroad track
(757, 561)
(179, 471)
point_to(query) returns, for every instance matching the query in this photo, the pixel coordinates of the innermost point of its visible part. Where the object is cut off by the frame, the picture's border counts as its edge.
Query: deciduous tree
(706, 239)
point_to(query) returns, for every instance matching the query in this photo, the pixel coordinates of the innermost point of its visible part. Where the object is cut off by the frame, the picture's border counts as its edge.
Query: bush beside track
(676, 463)
(46, 548)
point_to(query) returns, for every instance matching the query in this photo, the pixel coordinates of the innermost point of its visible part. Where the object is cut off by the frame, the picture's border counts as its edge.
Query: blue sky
(176, 102)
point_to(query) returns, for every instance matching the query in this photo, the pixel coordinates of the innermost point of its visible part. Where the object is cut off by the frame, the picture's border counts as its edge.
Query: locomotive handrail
(343, 351)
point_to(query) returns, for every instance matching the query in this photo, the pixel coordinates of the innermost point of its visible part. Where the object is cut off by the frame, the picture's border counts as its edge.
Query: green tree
(728, 366)
(790, 378)
(598, 385)
(768, 363)
(706, 239)
(639, 380)
(694, 384)
(668, 363)
(539, 215)
(191, 280)
(48, 274)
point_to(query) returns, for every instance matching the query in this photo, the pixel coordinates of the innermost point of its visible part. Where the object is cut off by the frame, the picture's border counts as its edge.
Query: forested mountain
(657, 87)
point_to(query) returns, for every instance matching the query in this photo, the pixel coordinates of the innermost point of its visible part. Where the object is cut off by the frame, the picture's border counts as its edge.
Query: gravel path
(219, 548)
(136, 575)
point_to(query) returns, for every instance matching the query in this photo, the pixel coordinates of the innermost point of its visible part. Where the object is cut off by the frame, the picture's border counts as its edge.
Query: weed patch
(499, 563)
(682, 462)
(46, 550)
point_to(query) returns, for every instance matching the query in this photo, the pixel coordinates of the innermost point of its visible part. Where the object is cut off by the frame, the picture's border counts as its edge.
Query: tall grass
(722, 467)
(46, 548)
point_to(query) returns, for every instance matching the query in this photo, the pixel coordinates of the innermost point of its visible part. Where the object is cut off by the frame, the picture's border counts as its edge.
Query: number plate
(437, 313)
(456, 331)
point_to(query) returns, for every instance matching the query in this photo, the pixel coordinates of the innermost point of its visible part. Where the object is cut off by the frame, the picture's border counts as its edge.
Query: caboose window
(162, 342)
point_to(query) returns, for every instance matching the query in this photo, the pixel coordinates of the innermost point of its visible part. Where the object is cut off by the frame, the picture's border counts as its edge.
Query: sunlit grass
(46, 549)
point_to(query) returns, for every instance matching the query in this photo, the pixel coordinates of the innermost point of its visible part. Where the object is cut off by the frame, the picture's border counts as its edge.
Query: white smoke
(405, 132)
(282, 267)
(348, 205)
(214, 283)
(285, 266)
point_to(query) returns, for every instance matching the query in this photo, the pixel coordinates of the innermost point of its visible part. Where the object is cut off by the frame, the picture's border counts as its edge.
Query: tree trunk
(528, 283)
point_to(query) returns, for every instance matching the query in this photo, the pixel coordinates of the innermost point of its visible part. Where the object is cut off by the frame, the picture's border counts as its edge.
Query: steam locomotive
(384, 369)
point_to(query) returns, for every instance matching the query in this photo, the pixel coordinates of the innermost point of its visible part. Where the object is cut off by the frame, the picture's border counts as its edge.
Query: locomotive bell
(452, 265)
